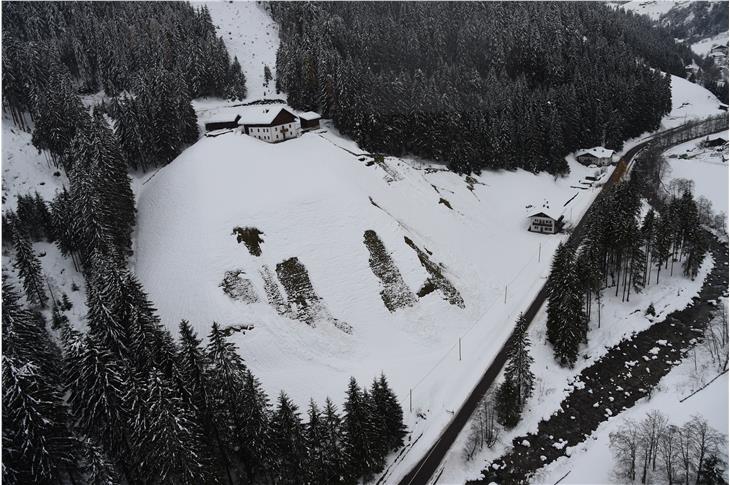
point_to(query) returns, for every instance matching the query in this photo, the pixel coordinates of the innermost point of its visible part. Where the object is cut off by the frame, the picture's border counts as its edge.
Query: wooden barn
(220, 124)
(269, 123)
(309, 120)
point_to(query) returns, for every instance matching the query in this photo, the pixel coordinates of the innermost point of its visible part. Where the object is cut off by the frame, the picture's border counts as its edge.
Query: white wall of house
(272, 134)
(600, 162)
(542, 224)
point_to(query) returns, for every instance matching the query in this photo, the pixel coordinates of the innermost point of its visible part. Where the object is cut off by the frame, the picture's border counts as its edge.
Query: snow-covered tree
(29, 269)
(289, 452)
(519, 362)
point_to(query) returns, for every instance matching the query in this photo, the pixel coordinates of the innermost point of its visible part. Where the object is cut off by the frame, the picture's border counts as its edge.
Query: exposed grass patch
(428, 287)
(304, 303)
(395, 292)
(251, 237)
(273, 293)
(436, 278)
(238, 288)
(446, 203)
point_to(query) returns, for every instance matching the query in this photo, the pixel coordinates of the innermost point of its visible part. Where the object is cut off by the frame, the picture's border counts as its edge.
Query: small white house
(545, 221)
(269, 123)
(599, 156)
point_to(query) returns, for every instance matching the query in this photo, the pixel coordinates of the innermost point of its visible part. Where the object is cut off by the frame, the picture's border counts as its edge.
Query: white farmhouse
(545, 220)
(598, 156)
(269, 123)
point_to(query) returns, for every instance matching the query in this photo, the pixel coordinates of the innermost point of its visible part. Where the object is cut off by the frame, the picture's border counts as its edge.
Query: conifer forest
(364, 243)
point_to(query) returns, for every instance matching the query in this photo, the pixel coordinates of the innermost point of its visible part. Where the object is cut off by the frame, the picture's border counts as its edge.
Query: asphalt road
(429, 463)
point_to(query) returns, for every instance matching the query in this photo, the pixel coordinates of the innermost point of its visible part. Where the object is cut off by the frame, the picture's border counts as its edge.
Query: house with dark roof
(598, 156)
(269, 123)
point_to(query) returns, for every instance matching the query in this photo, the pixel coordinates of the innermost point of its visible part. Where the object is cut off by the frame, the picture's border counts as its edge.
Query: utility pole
(539, 252)
(410, 400)
(505, 294)
(459, 349)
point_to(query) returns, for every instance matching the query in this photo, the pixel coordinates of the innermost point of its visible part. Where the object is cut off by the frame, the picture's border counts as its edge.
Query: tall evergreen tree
(566, 324)
(29, 269)
(37, 443)
(387, 407)
(355, 425)
(519, 361)
(166, 439)
(194, 368)
(289, 450)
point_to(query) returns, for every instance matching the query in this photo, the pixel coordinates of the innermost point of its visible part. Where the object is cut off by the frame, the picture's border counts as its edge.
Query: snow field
(705, 166)
(312, 200)
(251, 35)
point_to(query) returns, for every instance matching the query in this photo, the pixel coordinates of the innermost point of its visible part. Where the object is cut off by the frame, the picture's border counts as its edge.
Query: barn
(222, 123)
(309, 120)
(269, 123)
(598, 156)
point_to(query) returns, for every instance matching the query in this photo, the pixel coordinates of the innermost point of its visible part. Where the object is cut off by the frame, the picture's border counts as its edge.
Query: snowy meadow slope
(314, 201)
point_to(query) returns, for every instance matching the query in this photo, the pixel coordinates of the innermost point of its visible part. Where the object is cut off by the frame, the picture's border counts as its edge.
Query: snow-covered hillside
(677, 12)
(690, 101)
(251, 35)
(653, 9)
(707, 167)
(314, 201)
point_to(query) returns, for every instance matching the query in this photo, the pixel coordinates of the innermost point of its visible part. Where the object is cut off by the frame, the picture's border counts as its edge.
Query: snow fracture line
(562, 478)
(705, 386)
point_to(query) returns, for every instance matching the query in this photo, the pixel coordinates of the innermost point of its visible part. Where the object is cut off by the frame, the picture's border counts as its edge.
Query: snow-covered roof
(310, 115)
(221, 118)
(545, 209)
(598, 152)
(261, 114)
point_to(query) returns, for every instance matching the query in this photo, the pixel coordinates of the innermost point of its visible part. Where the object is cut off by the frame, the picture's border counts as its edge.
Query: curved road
(422, 472)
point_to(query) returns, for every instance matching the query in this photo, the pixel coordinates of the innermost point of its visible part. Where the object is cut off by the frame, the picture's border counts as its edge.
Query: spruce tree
(97, 468)
(315, 433)
(256, 426)
(375, 433)
(387, 406)
(92, 374)
(287, 437)
(507, 404)
(566, 324)
(194, 369)
(37, 443)
(332, 468)
(236, 81)
(519, 361)
(229, 379)
(355, 426)
(29, 269)
(661, 246)
(167, 441)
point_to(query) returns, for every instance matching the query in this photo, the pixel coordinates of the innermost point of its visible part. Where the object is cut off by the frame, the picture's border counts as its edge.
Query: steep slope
(324, 315)
(703, 25)
(251, 35)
